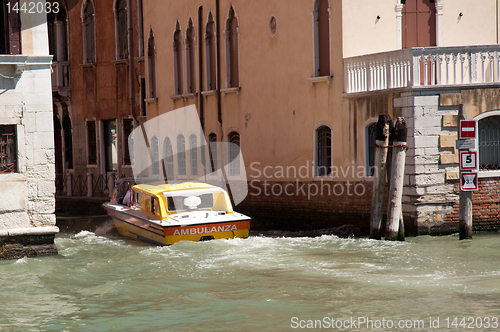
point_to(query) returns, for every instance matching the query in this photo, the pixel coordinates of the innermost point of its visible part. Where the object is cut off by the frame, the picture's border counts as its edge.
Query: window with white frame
(323, 151)
(88, 32)
(489, 143)
(121, 30)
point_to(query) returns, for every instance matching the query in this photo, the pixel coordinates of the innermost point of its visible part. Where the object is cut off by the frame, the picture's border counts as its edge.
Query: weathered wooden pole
(465, 205)
(382, 141)
(394, 213)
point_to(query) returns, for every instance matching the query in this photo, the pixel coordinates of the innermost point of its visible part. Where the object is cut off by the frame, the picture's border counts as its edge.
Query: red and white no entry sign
(468, 129)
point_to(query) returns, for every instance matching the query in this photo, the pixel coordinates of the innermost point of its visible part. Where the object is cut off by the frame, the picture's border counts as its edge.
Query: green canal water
(268, 282)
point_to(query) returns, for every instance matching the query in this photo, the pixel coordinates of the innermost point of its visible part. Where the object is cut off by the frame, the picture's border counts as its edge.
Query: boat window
(176, 203)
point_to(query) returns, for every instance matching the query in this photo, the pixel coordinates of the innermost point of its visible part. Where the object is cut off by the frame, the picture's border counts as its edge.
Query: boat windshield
(176, 203)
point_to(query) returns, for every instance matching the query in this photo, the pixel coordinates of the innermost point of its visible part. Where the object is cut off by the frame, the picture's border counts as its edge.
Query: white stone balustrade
(423, 67)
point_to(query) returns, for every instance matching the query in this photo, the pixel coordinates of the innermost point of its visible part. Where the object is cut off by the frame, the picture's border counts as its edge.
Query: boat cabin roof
(174, 189)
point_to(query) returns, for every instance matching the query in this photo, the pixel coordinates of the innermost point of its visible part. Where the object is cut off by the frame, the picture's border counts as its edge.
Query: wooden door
(419, 23)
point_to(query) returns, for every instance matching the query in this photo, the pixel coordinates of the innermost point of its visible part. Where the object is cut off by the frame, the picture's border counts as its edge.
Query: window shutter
(14, 24)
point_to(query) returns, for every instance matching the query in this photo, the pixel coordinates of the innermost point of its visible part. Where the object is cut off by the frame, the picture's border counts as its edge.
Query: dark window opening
(89, 33)
(324, 151)
(212, 138)
(190, 58)
(10, 26)
(232, 46)
(181, 155)
(210, 41)
(178, 60)
(323, 38)
(234, 152)
(127, 130)
(489, 143)
(151, 67)
(8, 159)
(68, 143)
(92, 143)
(122, 31)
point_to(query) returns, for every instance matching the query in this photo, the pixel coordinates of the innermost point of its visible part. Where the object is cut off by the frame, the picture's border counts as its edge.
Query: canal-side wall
(432, 181)
(27, 220)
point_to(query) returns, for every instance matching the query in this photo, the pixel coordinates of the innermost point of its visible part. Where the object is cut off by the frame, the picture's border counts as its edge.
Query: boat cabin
(161, 200)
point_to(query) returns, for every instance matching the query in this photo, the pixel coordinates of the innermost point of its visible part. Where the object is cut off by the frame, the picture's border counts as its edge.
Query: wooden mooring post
(465, 204)
(395, 226)
(383, 129)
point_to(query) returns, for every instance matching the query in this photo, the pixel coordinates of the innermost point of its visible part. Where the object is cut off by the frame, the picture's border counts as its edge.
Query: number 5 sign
(468, 160)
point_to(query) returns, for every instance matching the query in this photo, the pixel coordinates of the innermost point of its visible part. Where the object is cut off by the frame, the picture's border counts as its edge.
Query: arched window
(68, 143)
(323, 151)
(121, 30)
(370, 137)
(178, 59)
(322, 37)
(210, 54)
(181, 155)
(193, 151)
(154, 152)
(88, 33)
(151, 65)
(233, 79)
(234, 151)
(140, 26)
(168, 158)
(190, 58)
(212, 138)
(489, 143)
(57, 25)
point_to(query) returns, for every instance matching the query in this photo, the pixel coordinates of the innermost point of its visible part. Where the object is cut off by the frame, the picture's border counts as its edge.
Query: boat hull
(142, 229)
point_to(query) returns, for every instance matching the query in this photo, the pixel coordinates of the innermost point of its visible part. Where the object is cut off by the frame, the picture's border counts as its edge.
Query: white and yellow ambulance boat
(165, 214)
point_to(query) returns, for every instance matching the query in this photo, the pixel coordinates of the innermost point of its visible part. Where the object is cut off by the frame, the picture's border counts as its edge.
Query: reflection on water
(101, 282)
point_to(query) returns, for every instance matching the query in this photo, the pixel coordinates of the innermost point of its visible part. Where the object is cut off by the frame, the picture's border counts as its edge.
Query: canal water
(269, 282)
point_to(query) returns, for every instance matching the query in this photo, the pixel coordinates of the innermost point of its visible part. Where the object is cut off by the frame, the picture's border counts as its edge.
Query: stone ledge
(27, 245)
(28, 231)
(16, 251)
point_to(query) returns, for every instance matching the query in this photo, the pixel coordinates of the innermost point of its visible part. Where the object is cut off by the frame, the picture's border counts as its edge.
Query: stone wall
(27, 220)
(431, 181)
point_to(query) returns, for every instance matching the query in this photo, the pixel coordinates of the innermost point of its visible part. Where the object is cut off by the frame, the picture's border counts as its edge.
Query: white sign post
(468, 158)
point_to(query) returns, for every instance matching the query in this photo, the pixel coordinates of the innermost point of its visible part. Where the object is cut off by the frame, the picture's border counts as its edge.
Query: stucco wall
(363, 33)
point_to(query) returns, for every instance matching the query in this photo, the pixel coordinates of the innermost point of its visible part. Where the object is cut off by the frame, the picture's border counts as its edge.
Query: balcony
(61, 78)
(423, 68)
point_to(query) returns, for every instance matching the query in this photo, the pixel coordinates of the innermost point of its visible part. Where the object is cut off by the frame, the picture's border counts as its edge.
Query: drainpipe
(130, 61)
(200, 67)
(217, 27)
